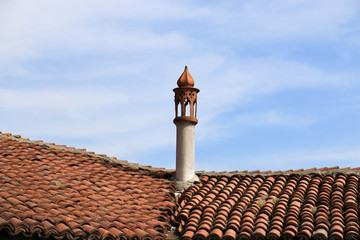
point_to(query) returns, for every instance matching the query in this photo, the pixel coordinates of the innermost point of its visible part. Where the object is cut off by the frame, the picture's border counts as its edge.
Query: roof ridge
(324, 170)
(80, 151)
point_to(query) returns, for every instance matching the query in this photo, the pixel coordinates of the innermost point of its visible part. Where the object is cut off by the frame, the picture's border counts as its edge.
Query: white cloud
(27, 29)
(273, 118)
(113, 122)
(230, 86)
(32, 30)
(300, 20)
(61, 100)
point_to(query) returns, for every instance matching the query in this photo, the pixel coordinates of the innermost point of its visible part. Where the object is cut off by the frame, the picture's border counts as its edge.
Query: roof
(57, 191)
(50, 190)
(314, 204)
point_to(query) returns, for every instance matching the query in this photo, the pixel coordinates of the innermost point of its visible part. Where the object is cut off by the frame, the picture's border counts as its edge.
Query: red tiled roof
(63, 192)
(51, 190)
(301, 205)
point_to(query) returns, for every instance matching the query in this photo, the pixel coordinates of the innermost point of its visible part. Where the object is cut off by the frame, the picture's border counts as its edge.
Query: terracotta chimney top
(185, 80)
(186, 98)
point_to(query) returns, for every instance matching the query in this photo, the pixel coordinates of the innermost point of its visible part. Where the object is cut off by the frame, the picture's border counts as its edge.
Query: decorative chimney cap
(185, 80)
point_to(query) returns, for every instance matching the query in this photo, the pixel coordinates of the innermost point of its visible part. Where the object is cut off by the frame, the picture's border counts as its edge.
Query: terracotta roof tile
(305, 204)
(57, 191)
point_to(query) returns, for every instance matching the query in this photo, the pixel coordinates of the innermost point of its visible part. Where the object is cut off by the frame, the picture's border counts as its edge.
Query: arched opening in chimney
(195, 108)
(187, 108)
(178, 109)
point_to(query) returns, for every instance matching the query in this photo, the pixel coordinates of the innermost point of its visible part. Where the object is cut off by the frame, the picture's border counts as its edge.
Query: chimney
(185, 121)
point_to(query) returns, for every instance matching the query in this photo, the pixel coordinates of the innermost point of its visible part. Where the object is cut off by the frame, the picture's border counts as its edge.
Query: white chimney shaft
(185, 150)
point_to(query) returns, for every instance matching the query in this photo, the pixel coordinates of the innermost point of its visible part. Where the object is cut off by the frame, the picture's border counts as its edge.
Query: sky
(279, 80)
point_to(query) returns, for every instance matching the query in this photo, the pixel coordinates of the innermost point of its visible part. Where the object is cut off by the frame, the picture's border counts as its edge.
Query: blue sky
(279, 80)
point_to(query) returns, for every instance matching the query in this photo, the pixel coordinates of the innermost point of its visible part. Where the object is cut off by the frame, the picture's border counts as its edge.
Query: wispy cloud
(273, 118)
(250, 23)
(242, 83)
(69, 99)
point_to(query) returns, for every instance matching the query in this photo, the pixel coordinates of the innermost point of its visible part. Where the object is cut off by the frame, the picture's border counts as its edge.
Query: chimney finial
(185, 80)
